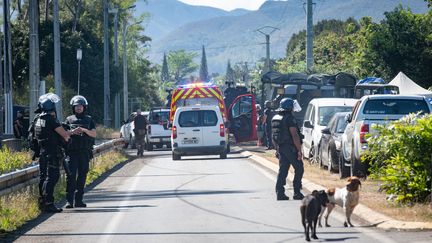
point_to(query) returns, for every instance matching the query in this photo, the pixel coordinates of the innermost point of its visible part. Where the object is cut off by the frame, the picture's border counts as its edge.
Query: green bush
(11, 161)
(400, 155)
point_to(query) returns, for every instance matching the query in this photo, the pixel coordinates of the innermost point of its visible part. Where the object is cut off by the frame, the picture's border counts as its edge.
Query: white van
(317, 116)
(198, 130)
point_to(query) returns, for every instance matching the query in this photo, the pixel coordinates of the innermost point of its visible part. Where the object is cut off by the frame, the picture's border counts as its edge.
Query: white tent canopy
(409, 87)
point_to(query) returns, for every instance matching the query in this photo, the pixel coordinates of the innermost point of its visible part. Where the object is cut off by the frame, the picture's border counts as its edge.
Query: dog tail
(331, 191)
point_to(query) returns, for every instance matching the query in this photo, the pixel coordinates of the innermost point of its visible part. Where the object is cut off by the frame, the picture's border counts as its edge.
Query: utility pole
(309, 36)
(106, 66)
(34, 55)
(7, 79)
(57, 60)
(1, 91)
(115, 11)
(267, 31)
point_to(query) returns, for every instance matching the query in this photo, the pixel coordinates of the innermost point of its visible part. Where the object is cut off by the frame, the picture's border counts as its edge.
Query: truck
(240, 117)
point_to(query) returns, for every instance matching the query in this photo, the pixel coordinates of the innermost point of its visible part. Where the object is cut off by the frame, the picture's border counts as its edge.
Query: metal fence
(13, 181)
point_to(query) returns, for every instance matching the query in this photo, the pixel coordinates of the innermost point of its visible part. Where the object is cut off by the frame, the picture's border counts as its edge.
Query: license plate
(190, 141)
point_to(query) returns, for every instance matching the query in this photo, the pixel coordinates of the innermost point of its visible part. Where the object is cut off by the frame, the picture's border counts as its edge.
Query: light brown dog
(347, 197)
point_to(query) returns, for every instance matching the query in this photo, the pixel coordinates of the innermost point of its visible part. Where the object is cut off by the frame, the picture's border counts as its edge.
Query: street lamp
(79, 58)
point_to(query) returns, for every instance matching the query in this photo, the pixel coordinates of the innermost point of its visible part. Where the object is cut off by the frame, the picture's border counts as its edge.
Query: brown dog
(347, 197)
(310, 208)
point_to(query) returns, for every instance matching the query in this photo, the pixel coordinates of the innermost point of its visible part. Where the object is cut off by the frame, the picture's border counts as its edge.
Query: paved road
(197, 199)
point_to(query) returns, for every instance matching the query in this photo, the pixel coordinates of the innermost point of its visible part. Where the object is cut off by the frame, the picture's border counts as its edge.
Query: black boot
(298, 196)
(80, 204)
(281, 197)
(51, 208)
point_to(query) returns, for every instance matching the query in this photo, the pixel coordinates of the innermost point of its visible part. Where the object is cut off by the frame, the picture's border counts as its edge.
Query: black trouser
(52, 176)
(269, 141)
(288, 157)
(76, 178)
(42, 174)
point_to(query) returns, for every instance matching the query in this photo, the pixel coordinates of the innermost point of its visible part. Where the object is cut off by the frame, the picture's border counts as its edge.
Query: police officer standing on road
(287, 139)
(79, 150)
(51, 137)
(140, 123)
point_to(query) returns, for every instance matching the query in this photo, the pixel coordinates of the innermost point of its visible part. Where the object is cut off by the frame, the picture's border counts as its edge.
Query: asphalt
(366, 214)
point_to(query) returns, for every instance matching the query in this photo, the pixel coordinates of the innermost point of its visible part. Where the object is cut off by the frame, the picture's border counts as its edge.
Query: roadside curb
(370, 216)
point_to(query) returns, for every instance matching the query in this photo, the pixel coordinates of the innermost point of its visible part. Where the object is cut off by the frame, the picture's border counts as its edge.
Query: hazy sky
(227, 4)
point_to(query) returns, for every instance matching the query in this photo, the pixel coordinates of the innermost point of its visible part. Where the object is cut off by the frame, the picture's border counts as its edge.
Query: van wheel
(176, 156)
(223, 155)
(344, 171)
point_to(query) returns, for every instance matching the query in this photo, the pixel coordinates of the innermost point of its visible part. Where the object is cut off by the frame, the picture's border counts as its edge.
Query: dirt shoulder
(370, 195)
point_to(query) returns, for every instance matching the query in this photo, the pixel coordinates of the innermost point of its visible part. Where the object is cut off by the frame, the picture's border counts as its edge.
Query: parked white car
(370, 110)
(199, 130)
(317, 116)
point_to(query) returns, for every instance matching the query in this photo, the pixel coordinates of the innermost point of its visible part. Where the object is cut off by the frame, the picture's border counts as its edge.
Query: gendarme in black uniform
(80, 151)
(288, 153)
(47, 132)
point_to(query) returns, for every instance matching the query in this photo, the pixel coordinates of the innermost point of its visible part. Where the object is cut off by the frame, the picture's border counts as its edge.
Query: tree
(181, 64)
(230, 75)
(165, 77)
(203, 67)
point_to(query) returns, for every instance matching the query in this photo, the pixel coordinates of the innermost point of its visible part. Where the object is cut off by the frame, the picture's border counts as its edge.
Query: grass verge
(11, 161)
(20, 207)
(370, 194)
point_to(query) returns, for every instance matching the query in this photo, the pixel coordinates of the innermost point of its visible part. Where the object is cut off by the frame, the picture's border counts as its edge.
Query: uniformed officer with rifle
(287, 140)
(51, 138)
(79, 150)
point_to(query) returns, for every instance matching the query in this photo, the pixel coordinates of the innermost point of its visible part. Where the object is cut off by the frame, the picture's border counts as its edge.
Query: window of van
(395, 107)
(201, 118)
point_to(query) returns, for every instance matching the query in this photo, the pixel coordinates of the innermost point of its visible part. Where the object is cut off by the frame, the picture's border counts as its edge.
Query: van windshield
(326, 113)
(395, 107)
(201, 118)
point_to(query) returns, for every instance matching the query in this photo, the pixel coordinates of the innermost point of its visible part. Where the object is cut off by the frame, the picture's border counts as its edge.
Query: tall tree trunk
(47, 2)
(76, 15)
(19, 9)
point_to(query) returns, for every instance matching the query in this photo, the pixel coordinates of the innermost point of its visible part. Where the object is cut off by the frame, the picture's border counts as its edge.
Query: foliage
(19, 207)
(402, 41)
(82, 26)
(11, 161)
(105, 133)
(181, 64)
(230, 74)
(400, 156)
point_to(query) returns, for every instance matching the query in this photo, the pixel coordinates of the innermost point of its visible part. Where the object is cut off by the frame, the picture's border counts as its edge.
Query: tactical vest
(48, 139)
(81, 142)
(280, 131)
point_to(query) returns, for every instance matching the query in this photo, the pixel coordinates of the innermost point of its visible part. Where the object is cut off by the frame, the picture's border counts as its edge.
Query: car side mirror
(348, 118)
(308, 124)
(326, 131)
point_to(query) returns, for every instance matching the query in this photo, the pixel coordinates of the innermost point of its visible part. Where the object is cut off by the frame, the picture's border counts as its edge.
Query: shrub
(11, 161)
(400, 156)
(106, 133)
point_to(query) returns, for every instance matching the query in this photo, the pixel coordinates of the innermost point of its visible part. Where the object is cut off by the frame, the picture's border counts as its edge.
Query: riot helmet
(47, 102)
(78, 100)
(288, 104)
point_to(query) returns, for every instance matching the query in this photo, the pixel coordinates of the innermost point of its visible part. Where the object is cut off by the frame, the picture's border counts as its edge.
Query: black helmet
(47, 102)
(78, 100)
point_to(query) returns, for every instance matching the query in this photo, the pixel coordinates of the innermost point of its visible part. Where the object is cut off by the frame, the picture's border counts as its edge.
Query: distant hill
(168, 15)
(232, 35)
